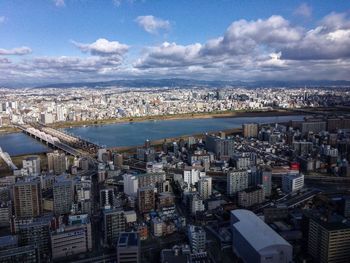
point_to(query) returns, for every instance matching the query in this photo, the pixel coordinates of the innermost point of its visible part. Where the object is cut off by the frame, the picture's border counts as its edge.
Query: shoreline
(187, 116)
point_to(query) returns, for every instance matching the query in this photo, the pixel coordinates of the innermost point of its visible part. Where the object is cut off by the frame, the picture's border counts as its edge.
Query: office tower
(36, 232)
(107, 198)
(293, 181)
(56, 162)
(191, 176)
(250, 130)
(146, 199)
(128, 248)
(255, 241)
(32, 165)
(251, 196)
(131, 184)
(148, 179)
(27, 198)
(205, 187)
(114, 224)
(72, 239)
(329, 241)
(63, 196)
(221, 147)
(197, 238)
(237, 180)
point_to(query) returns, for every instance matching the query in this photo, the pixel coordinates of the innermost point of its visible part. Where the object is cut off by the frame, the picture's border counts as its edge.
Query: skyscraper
(27, 198)
(146, 199)
(114, 224)
(56, 162)
(237, 180)
(205, 187)
(63, 196)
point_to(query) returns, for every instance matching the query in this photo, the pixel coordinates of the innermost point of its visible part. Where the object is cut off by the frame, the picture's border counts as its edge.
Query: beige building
(329, 242)
(56, 162)
(27, 198)
(251, 196)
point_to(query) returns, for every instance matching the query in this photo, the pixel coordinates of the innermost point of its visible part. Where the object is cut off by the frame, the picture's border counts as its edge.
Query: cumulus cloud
(103, 47)
(15, 51)
(152, 24)
(303, 10)
(59, 3)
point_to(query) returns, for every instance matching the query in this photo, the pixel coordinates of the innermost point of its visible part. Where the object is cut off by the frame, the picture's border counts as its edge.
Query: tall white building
(191, 176)
(237, 180)
(205, 187)
(197, 238)
(131, 184)
(32, 165)
(293, 181)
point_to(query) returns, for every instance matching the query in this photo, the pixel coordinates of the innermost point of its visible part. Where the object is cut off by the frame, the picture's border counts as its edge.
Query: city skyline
(73, 40)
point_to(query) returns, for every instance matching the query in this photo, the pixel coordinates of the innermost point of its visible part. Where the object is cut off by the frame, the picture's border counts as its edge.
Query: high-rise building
(128, 248)
(27, 198)
(146, 199)
(72, 239)
(37, 233)
(251, 196)
(56, 162)
(114, 224)
(205, 187)
(197, 238)
(107, 197)
(191, 176)
(313, 126)
(293, 181)
(221, 147)
(254, 241)
(237, 180)
(131, 184)
(63, 196)
(32, 165)
(148, 179)
(250, 130)
(329, 242)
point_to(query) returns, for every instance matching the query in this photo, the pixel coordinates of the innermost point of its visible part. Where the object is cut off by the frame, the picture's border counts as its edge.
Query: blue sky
(48, 41)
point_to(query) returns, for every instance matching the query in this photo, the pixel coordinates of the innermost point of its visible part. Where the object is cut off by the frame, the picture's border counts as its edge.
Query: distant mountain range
(185, 83)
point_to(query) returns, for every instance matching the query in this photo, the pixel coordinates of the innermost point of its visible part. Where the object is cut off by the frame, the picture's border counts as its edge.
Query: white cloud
(15, 51)
(152, 24)
(103, 47)
(59, 3)
(303, 10)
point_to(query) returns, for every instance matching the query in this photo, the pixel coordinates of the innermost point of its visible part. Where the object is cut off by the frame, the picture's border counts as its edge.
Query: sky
(55, 41)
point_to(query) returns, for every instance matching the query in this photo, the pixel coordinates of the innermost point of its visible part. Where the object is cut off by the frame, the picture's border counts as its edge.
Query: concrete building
(250, 130)
(329, 242)
(27, 198)
(32, 165)
(220, 147)
(128, 248)
(146, 199)
(205, 187)
(114, 224)
(5, 213)
(197, 238)
(254, 241)
(56, 162)
(63, 196)
(251, 196)
(293, 181)
(313, 126)
(73, 239)
(107, 197)
(237, 180)
(148, 179)
(191, 176)
(131, 184)
(157, 226)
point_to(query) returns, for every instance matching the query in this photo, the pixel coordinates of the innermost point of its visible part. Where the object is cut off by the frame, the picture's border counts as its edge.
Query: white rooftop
(256, 231)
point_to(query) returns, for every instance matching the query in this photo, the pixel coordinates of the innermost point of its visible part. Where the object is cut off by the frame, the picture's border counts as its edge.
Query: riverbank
(8, 130)
(205, 115)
